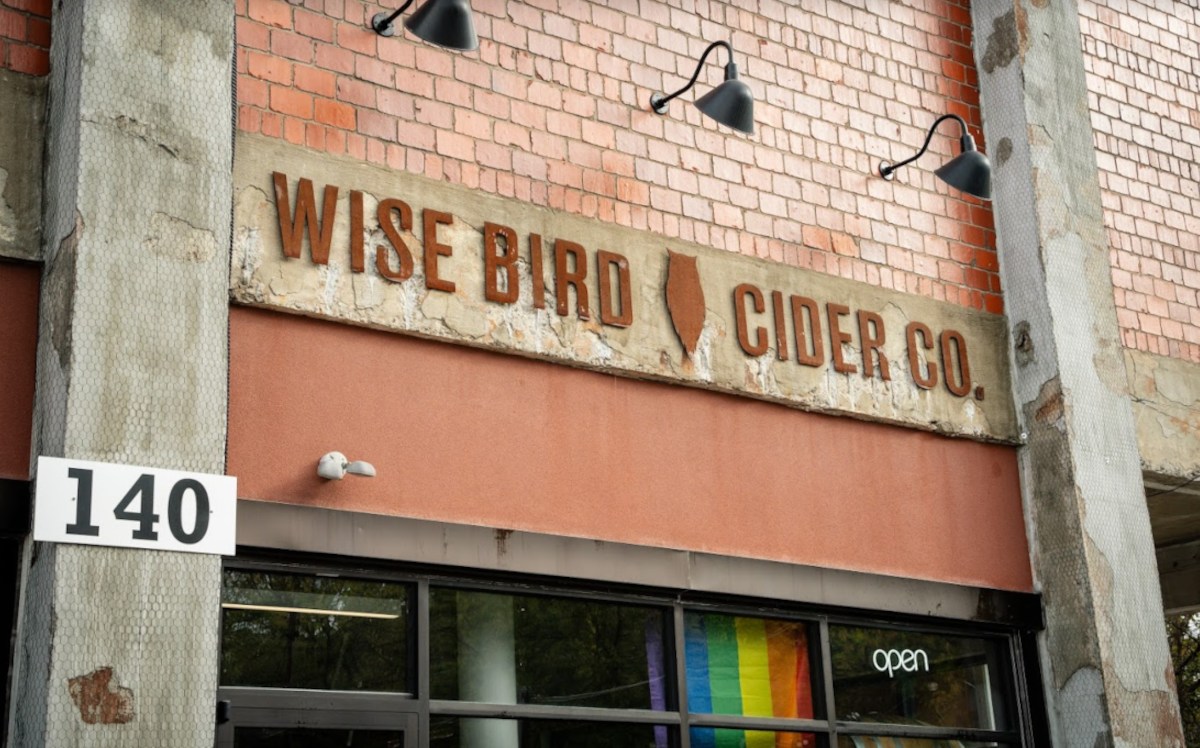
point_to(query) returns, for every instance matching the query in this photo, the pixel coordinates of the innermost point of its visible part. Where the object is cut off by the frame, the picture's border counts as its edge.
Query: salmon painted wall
(18, 346)
(467, 436)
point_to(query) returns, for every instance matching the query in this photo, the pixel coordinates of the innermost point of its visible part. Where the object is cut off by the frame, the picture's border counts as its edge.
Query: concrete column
(487, 665)
(1107, 671)
(120, 647)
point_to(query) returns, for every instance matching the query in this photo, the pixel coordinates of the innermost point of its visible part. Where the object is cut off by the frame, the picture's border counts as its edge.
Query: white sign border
(56, 497)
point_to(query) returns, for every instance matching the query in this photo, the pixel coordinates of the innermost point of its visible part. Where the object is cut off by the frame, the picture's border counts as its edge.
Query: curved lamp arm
(658, 102)
(888, 171)
(382, 22)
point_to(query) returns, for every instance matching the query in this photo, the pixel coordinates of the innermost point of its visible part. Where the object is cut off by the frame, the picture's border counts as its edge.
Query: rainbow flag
(751, 667)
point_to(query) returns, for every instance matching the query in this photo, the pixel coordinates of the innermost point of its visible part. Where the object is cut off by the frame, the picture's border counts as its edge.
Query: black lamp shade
(446, 23)
(731, 104)
(969, 172)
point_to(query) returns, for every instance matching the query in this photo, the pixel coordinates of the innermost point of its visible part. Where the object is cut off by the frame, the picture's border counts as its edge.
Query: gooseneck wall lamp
(446, 23)
(969, 171)
(730, 103)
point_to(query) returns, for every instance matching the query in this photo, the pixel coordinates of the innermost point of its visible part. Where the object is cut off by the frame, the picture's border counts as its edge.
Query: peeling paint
(1023, 346)
(1001, 46)
(1003, 151)
(59, 290)
(100, 700)
(1166, 409)
(22, 120)
(1052, 411)
(8, 217)
(1091, 545)
(650, 347)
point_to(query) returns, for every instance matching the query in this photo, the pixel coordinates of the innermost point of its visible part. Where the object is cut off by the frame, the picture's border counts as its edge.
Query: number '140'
(138, 506)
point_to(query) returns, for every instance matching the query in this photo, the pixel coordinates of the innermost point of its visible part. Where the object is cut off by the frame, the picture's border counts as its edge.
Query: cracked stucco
(22, 124)
(1104, 654)
(649, 348)
(1166, 408)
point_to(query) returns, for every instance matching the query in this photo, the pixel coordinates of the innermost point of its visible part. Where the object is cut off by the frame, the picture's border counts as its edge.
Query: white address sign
(100, 503)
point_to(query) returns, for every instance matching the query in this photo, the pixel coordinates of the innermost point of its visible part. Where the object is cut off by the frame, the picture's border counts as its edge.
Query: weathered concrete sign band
(339, 239)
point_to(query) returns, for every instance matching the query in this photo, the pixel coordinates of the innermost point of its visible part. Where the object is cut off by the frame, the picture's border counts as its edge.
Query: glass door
(265, 718)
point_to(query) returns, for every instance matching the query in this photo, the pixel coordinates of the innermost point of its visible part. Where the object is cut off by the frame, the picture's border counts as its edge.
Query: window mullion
(422, 661)
(685, 737)
(827, 680)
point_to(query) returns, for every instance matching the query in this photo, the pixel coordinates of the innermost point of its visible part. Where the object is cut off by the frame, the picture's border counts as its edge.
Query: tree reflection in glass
(453, 732)
(560, 651)
(294, 631)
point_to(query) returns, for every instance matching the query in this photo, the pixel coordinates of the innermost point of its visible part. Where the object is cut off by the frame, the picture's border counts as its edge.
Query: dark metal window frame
(411, 712)
(330, 710)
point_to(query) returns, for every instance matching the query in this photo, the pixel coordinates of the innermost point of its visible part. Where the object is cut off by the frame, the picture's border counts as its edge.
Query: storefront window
(452, 732)
(531, 649)
(322, 660)
(717, 737)
(274, 737)
(879, 742)
(297, 631)
(753, 667)
(912, 678)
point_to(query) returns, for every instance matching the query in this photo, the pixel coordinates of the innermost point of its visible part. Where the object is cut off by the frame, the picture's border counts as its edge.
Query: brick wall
(553, 109)
(25, 36)
(1143, 71)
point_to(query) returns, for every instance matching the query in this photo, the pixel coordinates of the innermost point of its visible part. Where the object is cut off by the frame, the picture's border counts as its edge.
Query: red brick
(374, 71)
(269, 67)
(551, 147)
(423, 137)
(376, 125)
(253, 35)
(291, 102)
(335, 142)
(314, 136)
(38, 32)
(987, 260)
(356, 92)
(334, 114)
(544, 127)
(436, 62)
(29, 60)
(976, 278)
(272, 125)
(249, 119)
(397, 50)
(12, 25)
(817, 238)
(291, 45)
(473, 73)
(334, 58)
(315, 25)
(493, 156)
(414, 82)
(451, 92)
(293, 131)
(453, 145)
(473, 125)
(275, 13)
(36, 7)
(312, 80)
(252, 92)
(510, 134)
(356, 39)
